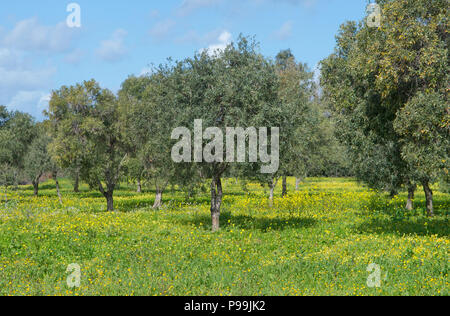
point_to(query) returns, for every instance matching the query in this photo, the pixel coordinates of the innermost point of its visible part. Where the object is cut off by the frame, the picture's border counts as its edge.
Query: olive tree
(424, 124)
(17, 131)
(217, 92)
(375, 74)
(37, 159)
(147, 118)
(84, 121)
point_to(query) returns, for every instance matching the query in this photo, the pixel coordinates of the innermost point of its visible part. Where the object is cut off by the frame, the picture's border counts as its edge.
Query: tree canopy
(374, 80)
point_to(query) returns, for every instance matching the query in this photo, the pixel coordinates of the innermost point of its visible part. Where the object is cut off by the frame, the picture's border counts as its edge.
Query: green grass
(318, 241)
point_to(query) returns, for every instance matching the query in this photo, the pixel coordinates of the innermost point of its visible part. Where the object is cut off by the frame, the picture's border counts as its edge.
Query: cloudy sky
(40, 52)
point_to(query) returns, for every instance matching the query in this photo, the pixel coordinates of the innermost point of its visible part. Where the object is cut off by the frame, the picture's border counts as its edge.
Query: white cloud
(113, 50)
(146, 71)
(43, 101)
(22, 86)
(222, 42)
(25, 79)
(23, 89)
(284, 32)
(25, 76)
(33, 102)
(30, 35)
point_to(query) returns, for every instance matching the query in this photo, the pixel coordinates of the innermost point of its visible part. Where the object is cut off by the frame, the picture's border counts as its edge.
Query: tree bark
(76, 185)
(109, 195)
(216, 202)
(158, 199)
(285, 190)
(297, 183)
(109, 201)
(139, 185)
(36, 187)
(55, 178)
(159, 193)
(272, 186)
(429, 197)
(410, 202)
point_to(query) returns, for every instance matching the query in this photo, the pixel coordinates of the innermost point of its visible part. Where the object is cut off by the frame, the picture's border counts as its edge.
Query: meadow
(317, 241)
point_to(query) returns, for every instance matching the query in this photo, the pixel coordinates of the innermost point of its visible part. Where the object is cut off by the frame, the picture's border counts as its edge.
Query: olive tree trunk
(36, 188)
(109, 201)
(139, 185)
(58, 191)
(158, 199)
(429, 197)
(35, 183)
(108, 194)
(6, 193)
(285, 190)
(216, 202)
(297, 183)
(159, 192)
(272, 185)
(76, 185)
(410, 202)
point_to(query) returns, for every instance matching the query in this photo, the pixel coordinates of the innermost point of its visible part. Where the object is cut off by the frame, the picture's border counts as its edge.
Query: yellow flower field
(318, 241)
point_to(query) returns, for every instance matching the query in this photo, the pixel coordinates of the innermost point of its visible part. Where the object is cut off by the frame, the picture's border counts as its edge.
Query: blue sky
(39, 52)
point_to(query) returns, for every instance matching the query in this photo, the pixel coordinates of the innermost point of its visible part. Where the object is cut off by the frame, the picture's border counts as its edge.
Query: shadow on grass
(383, 205)
(246, 222)
(420, 226)
(134, 204)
